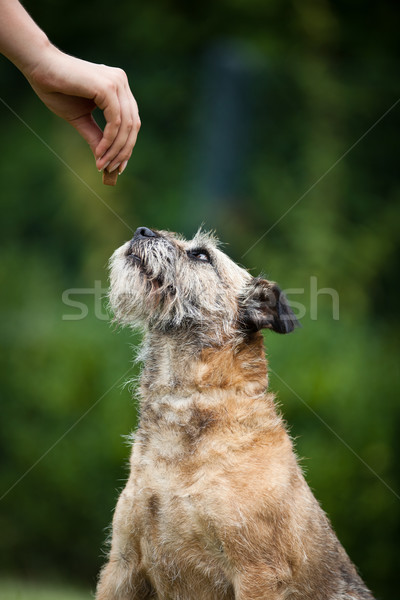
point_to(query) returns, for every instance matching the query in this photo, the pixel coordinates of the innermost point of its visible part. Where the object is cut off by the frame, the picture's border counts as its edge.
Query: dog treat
(110, 178)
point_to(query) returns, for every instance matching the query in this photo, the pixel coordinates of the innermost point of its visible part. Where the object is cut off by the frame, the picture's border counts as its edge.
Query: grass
(21, 590)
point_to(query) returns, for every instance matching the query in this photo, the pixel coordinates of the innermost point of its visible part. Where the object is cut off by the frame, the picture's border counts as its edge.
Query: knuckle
(121, 74)
(109, 87)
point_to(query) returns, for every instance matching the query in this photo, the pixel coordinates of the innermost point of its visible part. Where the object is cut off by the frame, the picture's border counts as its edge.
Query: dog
(216, 506)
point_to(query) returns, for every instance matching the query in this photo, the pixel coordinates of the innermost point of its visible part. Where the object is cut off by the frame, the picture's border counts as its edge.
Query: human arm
(72, 88)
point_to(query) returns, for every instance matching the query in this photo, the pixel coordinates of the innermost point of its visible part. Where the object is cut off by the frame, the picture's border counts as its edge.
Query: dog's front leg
(120, 582)
(121, 578)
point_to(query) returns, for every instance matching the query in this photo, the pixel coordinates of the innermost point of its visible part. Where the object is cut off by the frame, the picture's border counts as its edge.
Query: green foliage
(317, 76)
(18, 590)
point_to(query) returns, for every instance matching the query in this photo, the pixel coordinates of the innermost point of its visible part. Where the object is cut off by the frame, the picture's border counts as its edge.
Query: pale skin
(72, 88)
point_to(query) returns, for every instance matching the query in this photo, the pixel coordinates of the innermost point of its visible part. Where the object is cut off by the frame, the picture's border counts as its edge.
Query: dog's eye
(199, 254)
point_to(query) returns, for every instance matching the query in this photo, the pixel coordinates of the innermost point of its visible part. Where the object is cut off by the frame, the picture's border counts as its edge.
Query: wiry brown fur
(216, 506)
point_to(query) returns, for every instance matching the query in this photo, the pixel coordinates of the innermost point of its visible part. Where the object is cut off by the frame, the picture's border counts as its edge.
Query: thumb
(87, 127)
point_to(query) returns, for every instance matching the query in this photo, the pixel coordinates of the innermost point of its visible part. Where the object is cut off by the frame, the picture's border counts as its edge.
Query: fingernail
(123, 167)
(114, 167)
(106, 165)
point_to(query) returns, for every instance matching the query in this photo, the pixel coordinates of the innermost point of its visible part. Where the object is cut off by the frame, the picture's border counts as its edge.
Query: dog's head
(161, 281)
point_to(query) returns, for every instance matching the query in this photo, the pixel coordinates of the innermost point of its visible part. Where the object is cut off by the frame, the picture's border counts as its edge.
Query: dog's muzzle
(141, 234)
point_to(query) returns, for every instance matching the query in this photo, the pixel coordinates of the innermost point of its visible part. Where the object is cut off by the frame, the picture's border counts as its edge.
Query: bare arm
(72, 88)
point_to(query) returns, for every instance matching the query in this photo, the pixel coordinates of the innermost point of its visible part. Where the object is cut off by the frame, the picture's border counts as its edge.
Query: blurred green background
(260, 119)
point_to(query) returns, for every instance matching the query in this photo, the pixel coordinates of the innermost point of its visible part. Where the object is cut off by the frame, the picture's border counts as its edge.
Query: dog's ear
(264, 306)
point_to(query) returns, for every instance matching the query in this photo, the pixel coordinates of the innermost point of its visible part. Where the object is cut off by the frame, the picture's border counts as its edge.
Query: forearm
(21, 40)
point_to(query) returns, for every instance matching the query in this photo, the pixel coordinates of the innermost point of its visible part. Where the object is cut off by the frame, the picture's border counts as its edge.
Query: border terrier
(216, 506)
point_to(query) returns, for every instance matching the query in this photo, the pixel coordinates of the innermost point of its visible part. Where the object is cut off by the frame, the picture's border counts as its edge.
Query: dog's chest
(190, 486)
(191, 455)
(173, 430)
(176, 462)
(178, 537)
(174, 456)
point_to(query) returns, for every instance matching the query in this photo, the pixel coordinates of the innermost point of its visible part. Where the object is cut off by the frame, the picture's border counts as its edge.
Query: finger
(89, 130)
(120, 140)
(121, 148)
(109, 103)
(125, 153)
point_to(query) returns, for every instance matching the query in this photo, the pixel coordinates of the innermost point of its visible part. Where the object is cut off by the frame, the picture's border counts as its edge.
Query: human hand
(72, 88)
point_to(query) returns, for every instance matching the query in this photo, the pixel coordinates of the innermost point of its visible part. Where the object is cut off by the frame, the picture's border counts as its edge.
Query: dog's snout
(143, 232)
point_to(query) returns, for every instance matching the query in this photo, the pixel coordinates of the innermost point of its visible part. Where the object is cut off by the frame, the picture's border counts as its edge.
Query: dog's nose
(143, 232)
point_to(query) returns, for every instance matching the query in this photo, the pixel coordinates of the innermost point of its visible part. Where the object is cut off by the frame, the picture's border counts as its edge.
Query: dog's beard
(138, 289)
(143, 292)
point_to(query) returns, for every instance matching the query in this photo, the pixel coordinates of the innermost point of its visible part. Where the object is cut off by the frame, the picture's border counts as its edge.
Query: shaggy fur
(216, 506)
